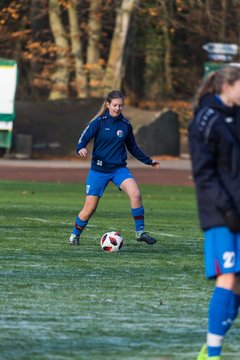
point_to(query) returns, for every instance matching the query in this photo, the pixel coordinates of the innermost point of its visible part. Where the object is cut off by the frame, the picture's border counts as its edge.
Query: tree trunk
(223, 22)
(167, 45)
(60, 77)
(114, 72)
(76, 50)
(94, 66)
(38, 11)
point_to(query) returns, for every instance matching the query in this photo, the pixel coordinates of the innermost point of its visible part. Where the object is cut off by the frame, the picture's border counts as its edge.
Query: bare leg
(89, 207)
(130, 187)
(226, 281)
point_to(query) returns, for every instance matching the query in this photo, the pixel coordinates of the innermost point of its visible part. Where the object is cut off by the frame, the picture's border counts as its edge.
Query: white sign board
(8, 84)
(221, 48)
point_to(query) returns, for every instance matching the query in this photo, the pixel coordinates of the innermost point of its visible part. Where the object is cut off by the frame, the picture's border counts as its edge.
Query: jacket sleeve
(134, 149)
(204, 167)
(88, 133)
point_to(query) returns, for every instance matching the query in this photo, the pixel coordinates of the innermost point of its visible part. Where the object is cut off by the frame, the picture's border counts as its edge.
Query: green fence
(8, 85)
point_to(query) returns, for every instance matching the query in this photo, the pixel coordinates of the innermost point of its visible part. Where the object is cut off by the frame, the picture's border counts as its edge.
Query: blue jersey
(215, 152)
(113, 136)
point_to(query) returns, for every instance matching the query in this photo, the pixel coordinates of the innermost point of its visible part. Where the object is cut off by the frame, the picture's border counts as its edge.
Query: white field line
(94, 226)
(155, 233)
(36, 219)
(169, 235)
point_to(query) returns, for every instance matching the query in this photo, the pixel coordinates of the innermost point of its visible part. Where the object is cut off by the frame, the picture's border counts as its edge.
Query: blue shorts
(97, 181)
(222, 251)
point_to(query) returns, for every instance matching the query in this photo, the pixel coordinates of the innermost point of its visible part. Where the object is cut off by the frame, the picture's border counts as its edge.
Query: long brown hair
(213, 84)
(114, 94)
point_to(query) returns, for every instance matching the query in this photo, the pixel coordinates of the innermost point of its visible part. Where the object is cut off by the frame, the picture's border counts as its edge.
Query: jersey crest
(120, 133)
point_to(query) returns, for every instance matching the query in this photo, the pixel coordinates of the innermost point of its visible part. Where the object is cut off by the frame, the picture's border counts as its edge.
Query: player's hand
(232, 220)
(156, 164)
(83, 152)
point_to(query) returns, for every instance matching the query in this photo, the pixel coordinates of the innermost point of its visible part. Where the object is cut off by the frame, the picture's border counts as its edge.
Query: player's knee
(136, 196)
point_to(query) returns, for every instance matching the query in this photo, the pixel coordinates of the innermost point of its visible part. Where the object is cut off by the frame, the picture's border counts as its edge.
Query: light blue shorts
(222, 251)
(97, 181)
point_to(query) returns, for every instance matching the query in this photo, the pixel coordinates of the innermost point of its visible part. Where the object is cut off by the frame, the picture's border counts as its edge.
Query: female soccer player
(112, 134)
(215, 150)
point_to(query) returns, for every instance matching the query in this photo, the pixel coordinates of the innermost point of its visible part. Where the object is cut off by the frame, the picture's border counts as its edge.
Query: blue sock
(234, 306)
(138, 216)
(219, 318)
(79, 226)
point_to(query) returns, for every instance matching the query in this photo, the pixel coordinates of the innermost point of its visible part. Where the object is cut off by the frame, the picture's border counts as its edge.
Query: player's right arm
(87, 135)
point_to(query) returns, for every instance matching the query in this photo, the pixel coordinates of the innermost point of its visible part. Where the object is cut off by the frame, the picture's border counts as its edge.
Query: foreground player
(112, 134)
(215, 151)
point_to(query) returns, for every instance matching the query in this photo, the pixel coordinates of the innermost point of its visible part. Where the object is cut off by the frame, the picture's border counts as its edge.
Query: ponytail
(206, 87)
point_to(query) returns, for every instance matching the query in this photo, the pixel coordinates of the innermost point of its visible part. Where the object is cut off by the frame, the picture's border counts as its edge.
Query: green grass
(61, 302)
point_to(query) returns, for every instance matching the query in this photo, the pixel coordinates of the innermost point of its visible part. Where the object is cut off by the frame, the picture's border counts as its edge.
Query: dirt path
(171, 173)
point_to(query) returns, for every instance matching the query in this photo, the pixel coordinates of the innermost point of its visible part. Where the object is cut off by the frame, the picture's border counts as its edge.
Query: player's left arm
(155, 164)
(135, 150)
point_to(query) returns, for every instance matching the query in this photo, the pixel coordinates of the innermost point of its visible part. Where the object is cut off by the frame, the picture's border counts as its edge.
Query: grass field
(61, 302)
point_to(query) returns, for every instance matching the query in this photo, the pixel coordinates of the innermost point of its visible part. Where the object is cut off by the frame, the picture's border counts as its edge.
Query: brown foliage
(180, 26)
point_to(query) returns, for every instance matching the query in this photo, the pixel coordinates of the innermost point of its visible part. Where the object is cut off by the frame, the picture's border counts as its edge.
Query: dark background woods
(152, 50)
(72, 52)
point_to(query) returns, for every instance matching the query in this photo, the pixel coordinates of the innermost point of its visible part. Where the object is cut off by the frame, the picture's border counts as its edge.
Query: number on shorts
(229, 259)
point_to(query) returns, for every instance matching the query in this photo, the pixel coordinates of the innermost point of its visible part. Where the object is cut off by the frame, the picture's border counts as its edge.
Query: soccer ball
(111, 241)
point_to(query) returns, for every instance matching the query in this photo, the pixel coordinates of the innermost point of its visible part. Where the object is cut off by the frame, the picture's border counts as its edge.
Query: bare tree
(223, 25)
(61, 75)
(114, 72)
(167, 18)
(76, 50)
(94, 62)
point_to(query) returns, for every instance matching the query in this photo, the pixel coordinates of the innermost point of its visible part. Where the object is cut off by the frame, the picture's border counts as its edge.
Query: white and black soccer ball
(111, 241)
